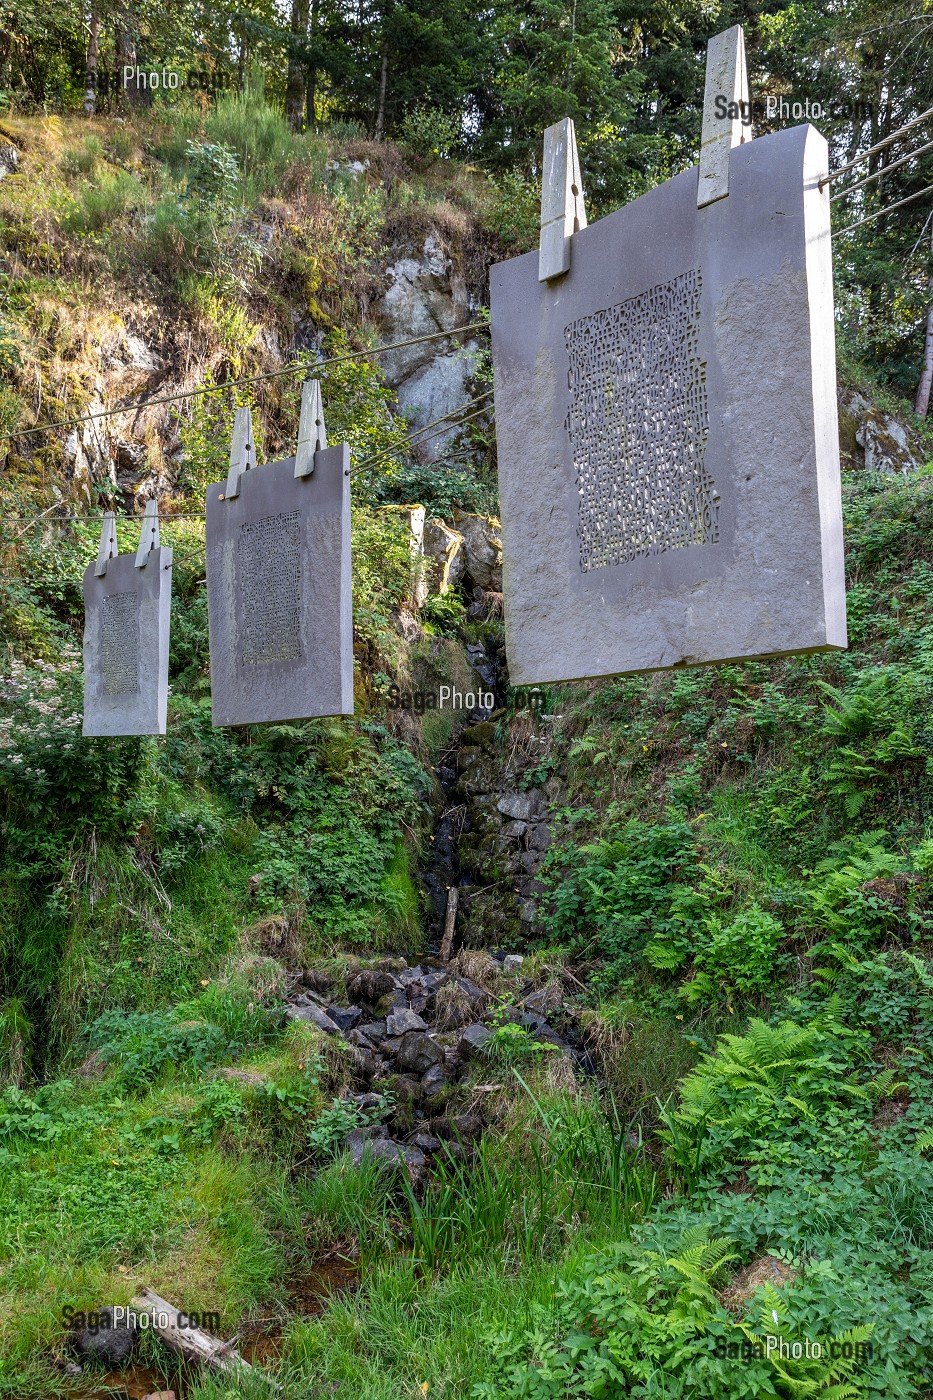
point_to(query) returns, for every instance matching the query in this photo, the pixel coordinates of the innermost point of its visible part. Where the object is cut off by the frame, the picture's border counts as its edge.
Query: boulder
(444, 548)
(345, 1017)
(474, 1040)
(400, 1022)
(482, 546)
(369, 986)
(418, 1052)
(105, 1339)
(309, 1012)
(521, 806)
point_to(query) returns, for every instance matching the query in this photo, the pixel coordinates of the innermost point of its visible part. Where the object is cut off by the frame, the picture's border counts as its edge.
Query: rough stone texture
(473, 1040)
(418, 1052)
(345, 1018)
(444, 547)
(751, 564)
(482, 548)
(872, 439)
(126, 639)
(425, 293)
(314, 1014)
(413, 517)
(281, 651)
(370, 985)
(405, 1020)
(109, 1344)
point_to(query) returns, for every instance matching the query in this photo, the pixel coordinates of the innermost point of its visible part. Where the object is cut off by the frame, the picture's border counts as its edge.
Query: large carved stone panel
(279, 593)
(126, 638)
(666, 424)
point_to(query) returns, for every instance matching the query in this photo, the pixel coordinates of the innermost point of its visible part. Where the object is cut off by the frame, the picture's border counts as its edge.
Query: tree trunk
(922, 402)
(381, 108)
(295, 85)
(90, 68)
(125, 46)
(192, 1343)
(311, 75)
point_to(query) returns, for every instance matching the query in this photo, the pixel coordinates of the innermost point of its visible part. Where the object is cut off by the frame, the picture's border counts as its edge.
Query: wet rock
(365, 1143)
(400, 1022)
(418, 1052)
(370, 985)
(107, 1341)
(310, 1012)
(474, 1040)
(375, 1031)
(345, 1017)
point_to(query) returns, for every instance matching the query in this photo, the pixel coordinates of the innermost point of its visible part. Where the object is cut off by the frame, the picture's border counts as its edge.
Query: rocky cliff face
(425, 292)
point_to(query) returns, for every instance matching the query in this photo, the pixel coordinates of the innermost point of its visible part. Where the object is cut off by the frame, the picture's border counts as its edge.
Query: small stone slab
(407, 1020)
(126, 640)
(474, 1040)
(345, 1017)
(314, 1014)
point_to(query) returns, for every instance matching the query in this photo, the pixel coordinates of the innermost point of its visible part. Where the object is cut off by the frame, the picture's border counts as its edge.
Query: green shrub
(430, 131)
(740, 953)
(104, 201)
(609, 897)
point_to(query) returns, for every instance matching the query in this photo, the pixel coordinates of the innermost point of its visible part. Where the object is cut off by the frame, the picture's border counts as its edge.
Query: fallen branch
(450, 920)
(192, 1343)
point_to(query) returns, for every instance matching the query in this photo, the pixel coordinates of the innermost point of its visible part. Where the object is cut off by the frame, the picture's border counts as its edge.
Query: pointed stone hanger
(149, 534)
(107, 549)
(242, 451)
(312, 435)
(563, 212)
(725, 102)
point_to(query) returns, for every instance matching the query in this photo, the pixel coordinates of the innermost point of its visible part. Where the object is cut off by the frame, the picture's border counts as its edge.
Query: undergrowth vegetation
(729, 1191)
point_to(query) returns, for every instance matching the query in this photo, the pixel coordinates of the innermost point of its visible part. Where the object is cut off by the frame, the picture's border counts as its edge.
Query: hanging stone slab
(666, 424)
(126, 639)
(279, 592)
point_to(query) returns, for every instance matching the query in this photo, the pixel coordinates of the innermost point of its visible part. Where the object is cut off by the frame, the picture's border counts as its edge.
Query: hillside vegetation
(728, 1136)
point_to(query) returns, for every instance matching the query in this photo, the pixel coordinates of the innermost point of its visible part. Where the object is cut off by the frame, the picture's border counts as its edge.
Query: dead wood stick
(192, 1343)
(450, 919)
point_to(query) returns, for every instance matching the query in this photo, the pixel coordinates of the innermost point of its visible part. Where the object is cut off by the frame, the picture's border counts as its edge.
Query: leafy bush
(430, 131)
(609, 897)
(759, 1096)
(741, 952)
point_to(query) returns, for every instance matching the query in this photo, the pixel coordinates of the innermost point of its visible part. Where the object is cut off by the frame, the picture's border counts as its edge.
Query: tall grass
(523, 1197)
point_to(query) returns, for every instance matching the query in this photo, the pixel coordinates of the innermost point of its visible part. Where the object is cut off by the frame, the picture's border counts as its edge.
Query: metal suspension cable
(887, 210)
(456, 424)
(879, 146)
(454, 418)
(886, 170)
(423, 433)
(305, 367)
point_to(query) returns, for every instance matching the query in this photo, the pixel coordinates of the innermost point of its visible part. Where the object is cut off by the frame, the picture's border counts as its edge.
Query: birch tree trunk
(90, 67)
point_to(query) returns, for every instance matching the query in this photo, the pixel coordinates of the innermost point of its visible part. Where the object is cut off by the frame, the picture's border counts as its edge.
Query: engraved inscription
(269, 578)
(638, 426)
(119, 643)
